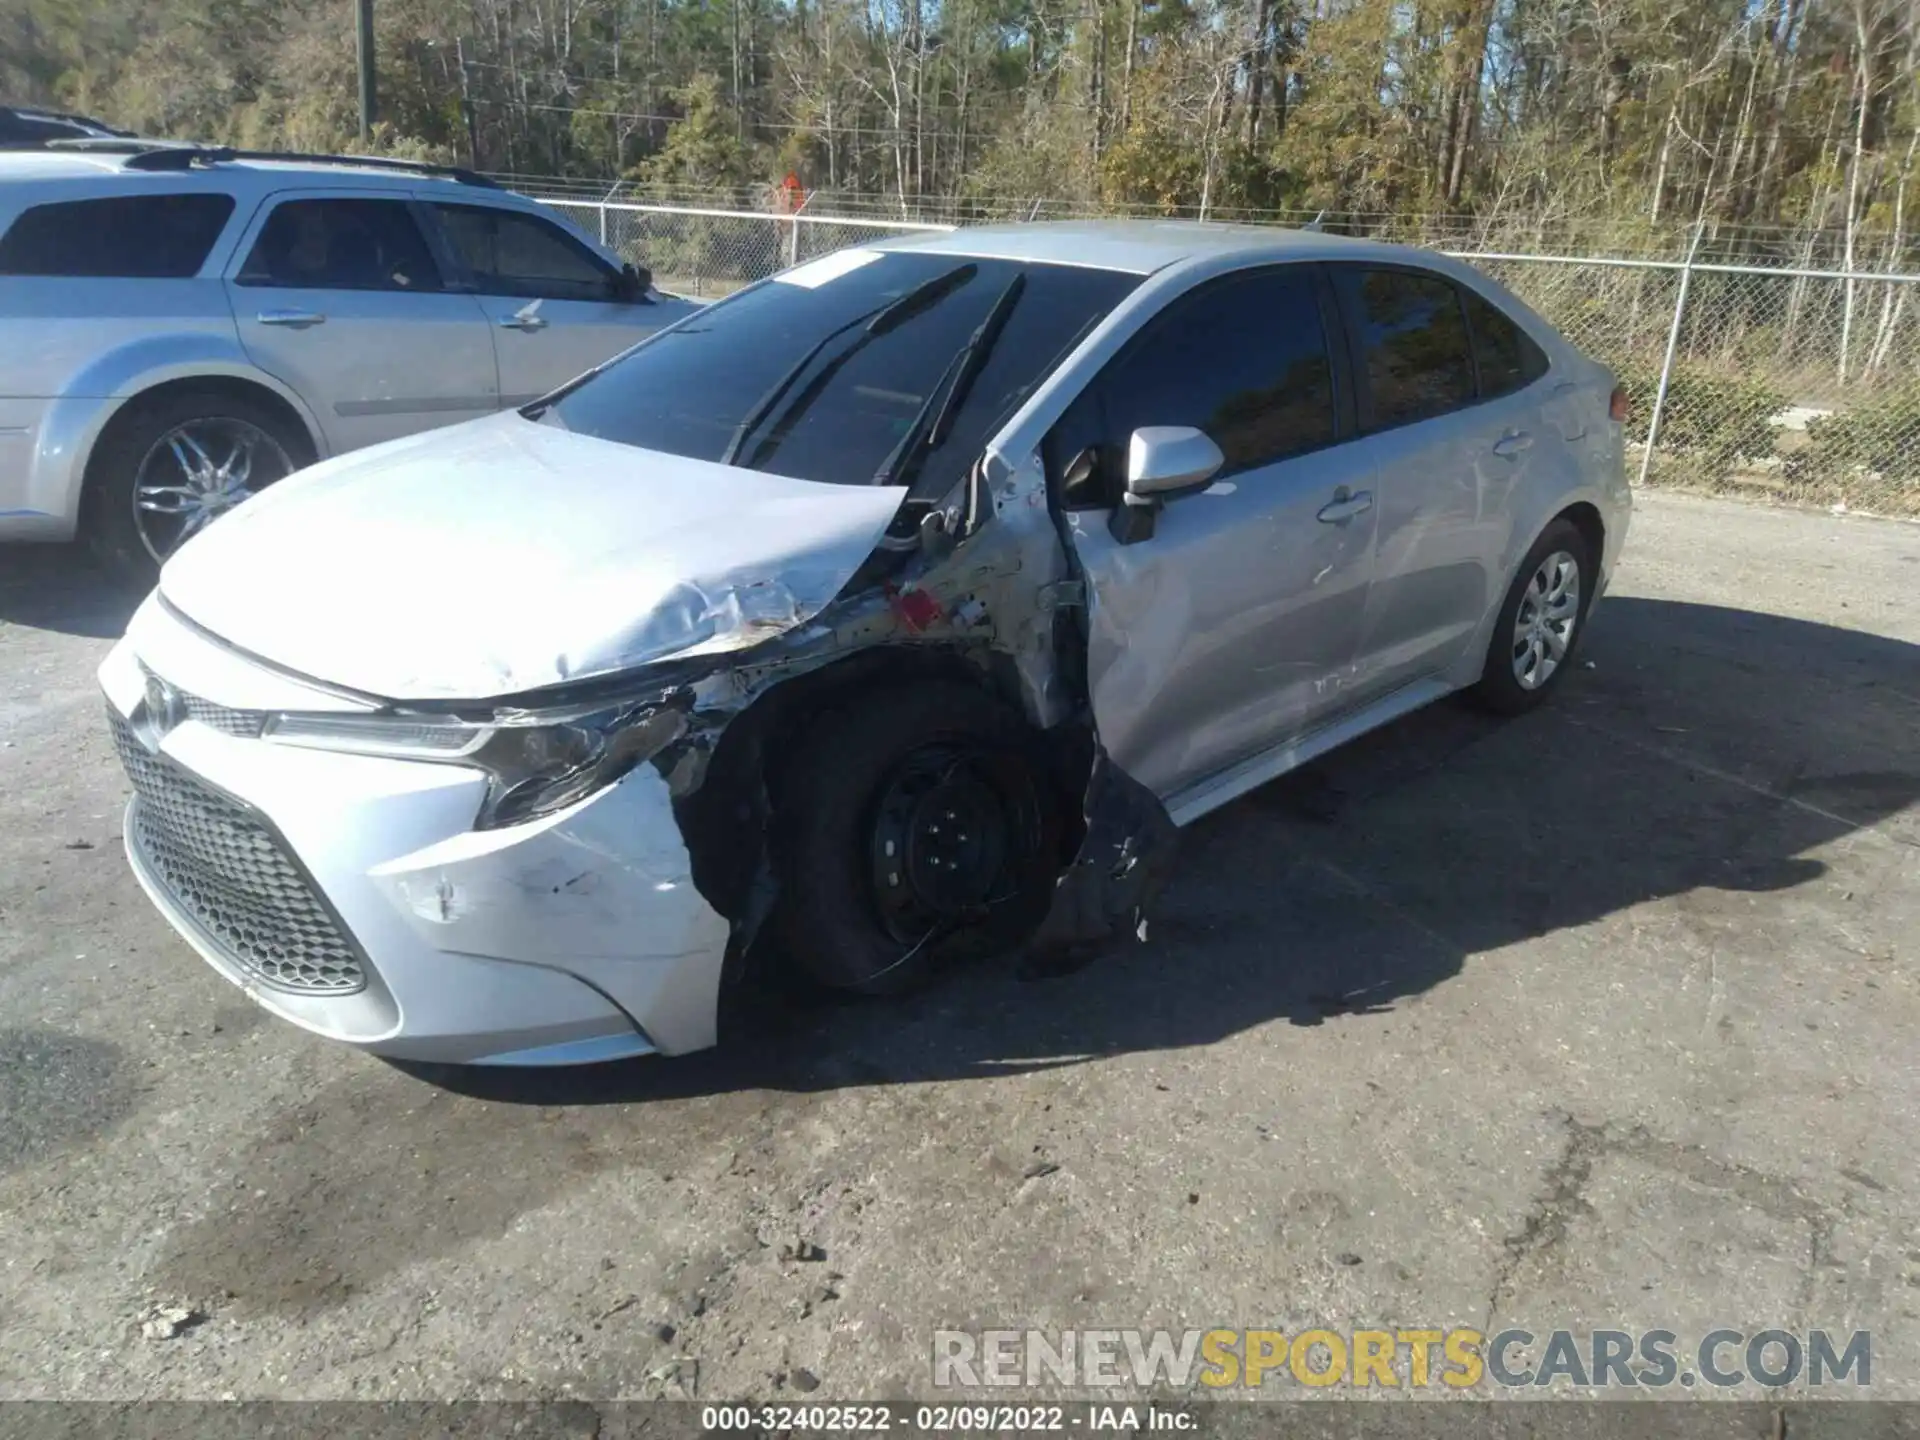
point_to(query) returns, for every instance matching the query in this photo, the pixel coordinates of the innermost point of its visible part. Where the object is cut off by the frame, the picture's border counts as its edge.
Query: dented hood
(505, 555)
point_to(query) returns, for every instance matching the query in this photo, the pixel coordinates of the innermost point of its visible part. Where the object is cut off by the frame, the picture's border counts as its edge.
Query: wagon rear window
(147, 237)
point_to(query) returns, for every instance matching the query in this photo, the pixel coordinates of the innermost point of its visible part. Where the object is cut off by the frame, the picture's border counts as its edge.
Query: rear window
(1413, 340)
(788, 377)
(1509, 360)
(148, 237)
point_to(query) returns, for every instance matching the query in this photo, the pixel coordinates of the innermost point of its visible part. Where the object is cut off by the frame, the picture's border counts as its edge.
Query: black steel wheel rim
(945, 838)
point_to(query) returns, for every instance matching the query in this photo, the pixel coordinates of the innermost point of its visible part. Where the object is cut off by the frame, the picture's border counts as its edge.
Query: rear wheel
(916, 825)
(1539, 624)
(167, 469)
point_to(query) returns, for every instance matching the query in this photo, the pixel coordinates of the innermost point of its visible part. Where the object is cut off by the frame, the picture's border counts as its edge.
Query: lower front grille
(232, 876)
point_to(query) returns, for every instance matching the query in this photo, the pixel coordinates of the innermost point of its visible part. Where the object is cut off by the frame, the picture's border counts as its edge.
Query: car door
(1449, 467)
(1233, 626)
(338, 295)
(555, 307)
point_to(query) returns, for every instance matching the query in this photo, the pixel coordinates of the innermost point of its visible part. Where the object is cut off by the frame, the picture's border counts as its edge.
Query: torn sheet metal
(1125, 858)
(505, 555)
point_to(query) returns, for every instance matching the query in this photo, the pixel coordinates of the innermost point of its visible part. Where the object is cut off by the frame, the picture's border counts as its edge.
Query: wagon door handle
(1512, 443)
(292, 319)
(1344, 507)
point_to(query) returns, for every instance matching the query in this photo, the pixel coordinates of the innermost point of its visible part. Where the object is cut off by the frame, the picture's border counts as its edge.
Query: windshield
(835, 370)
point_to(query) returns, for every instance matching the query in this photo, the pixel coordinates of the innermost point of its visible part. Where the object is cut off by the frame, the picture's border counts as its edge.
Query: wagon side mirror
(633, 284)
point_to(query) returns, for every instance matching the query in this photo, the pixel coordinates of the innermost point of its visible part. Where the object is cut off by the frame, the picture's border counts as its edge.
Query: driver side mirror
(632, 286)
(1164, 462)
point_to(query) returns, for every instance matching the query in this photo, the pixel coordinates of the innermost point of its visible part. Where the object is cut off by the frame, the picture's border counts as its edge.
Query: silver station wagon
(894, 611)
(180, 327)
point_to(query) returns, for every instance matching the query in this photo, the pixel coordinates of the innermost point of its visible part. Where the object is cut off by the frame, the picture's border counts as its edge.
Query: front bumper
(350, 894)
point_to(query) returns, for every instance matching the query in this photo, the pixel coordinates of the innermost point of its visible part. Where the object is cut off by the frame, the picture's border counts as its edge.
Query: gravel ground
(1600, 1018)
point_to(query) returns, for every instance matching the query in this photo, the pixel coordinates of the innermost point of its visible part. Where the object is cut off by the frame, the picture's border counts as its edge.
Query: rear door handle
(1512, 444)
(292, 319)
(1346, 507)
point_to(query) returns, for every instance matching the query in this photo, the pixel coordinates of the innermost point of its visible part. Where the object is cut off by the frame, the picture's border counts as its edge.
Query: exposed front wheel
(166, 470)
(916, 825)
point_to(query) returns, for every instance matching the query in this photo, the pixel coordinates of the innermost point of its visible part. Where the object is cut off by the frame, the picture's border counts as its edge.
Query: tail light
(1617, 406)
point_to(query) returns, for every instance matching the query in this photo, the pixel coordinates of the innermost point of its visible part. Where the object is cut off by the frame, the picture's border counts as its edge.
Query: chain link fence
(1776, 383)
(704, 252)
(1781, 384)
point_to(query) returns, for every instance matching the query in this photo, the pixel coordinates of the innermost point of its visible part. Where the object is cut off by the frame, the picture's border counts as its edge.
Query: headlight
(535, 762)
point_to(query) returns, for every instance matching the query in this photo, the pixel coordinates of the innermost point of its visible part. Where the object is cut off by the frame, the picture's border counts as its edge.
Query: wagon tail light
(1617, 406)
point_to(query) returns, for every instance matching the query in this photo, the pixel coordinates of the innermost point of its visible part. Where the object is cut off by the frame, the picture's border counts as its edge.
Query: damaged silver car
(895, 610)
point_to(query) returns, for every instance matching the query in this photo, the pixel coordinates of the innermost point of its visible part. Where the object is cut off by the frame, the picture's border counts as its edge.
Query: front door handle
(527, 320)
(1345, 507)
(292, 319)
(1512, 444)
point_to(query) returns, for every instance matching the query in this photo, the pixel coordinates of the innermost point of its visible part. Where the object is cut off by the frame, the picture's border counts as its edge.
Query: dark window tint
(792, 368)
(1413, 339)
(341, 245)
(143, 236)
(1508, 359)
(28, 131)
(1244, 359)
(509, 253)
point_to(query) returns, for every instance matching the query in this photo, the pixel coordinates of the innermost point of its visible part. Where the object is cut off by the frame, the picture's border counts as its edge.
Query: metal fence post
(793, 232)
(1673, 345)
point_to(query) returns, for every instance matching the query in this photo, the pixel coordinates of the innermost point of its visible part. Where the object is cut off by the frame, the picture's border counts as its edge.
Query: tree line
(1783, 128)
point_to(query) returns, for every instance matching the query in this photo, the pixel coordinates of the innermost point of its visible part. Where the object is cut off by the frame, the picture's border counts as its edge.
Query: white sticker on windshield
(816, 273)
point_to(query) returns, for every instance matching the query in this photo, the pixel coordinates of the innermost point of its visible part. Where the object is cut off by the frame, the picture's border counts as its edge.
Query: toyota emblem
(165, 709)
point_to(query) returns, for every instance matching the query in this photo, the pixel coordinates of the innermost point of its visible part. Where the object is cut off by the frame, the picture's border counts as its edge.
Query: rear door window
(145, 237)
(341, 244)
(1508, 358)
(1413, 340)
(508, 252)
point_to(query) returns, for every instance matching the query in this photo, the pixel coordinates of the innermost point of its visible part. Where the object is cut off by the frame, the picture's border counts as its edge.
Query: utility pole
(363, 48)
(466, 103)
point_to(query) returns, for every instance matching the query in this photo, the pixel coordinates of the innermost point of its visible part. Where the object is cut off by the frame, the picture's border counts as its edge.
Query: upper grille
(246, 724)
(231, 875)
(243, 724)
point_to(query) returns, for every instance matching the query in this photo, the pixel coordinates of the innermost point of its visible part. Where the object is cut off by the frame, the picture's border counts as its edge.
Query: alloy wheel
(1544, 624)
(198, 471)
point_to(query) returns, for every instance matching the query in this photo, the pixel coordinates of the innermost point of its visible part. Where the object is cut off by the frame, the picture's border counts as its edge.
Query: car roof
(1141, 247)
(66, 162)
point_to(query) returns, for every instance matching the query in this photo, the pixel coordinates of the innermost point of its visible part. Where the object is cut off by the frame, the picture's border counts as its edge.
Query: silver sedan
(889, 613)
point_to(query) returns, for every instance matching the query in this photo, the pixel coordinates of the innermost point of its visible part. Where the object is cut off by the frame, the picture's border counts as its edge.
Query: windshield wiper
(931, 424)
(880, 321)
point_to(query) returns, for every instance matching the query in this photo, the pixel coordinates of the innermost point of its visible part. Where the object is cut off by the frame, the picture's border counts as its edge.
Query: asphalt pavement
(1601, 1018)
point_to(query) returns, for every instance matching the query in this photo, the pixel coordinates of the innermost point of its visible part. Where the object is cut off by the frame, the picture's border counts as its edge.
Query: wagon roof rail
(151, 154)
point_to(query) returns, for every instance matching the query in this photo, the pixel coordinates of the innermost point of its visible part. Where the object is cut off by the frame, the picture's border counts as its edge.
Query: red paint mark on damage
(916, 608)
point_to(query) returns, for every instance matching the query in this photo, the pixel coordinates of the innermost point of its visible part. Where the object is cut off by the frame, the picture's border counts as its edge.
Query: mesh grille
(243, 724)
(230, 874)
(246, 724)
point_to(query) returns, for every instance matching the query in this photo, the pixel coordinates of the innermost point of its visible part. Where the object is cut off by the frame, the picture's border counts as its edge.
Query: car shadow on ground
(1697, 748)
(59, 588)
